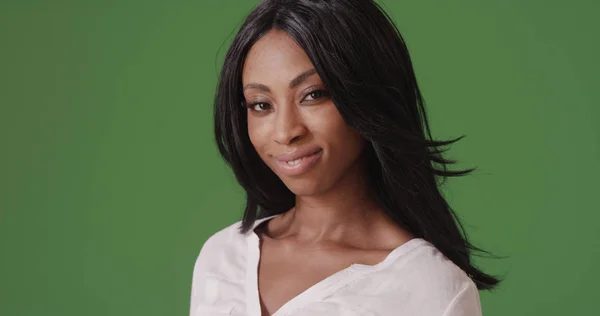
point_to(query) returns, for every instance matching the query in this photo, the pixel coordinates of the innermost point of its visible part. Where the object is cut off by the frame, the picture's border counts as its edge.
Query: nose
(289, 125)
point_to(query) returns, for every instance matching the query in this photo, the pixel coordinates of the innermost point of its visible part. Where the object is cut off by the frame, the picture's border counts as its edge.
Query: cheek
(332, 126)
(345, 141)
(350, 143)
(257, 133)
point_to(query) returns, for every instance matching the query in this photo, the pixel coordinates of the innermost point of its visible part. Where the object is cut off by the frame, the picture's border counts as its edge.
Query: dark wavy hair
(365, 66)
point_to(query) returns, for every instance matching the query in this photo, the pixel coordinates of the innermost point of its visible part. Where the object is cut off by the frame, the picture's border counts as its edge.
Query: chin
(304, 186)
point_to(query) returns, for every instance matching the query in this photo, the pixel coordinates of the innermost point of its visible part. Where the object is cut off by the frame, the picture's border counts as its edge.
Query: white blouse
(414, 279)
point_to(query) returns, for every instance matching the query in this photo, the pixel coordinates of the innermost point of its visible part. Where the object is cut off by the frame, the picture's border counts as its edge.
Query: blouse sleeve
(466, 302)
(200, 267)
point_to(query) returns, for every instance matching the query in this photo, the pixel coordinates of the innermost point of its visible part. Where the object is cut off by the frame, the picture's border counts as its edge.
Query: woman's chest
(288, 278)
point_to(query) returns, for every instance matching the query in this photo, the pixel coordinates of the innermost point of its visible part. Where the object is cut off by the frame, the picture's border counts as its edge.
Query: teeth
(294, 162)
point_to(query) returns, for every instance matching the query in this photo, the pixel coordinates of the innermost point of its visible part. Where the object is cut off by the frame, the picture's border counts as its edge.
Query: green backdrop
(110, 181)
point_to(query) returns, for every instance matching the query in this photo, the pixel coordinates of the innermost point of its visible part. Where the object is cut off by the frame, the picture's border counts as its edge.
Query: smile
(300, 165)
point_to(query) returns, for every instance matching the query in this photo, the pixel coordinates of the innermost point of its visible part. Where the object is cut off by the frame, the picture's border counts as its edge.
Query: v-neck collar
(319, 290)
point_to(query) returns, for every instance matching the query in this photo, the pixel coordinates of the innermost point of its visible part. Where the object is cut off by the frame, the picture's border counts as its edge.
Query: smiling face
(293, 124)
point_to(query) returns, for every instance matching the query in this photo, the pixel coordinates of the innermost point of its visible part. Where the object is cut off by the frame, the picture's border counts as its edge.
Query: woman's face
(292, 122)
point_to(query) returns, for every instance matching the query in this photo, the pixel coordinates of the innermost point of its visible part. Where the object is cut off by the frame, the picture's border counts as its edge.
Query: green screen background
(110, 181)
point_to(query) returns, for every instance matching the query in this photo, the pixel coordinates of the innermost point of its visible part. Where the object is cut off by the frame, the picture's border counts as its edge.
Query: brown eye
(259, 106)
(315, 94)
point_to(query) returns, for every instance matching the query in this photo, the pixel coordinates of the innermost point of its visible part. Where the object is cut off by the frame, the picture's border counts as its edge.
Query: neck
(346, 209)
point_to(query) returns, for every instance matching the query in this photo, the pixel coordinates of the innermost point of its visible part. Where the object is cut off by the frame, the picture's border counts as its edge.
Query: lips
(297, 154)
(299, 162)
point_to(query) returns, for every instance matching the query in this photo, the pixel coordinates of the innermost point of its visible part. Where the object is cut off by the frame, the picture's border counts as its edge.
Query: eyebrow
(293, 83)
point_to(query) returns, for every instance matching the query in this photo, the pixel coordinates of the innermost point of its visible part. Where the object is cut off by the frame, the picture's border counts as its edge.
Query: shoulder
(431, 283)
(440, 282)
(429, 267)
(221, 257)
(220, 248)
(223, 236)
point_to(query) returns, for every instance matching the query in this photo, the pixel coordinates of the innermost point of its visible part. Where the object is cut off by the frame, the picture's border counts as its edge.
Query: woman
(319, 115)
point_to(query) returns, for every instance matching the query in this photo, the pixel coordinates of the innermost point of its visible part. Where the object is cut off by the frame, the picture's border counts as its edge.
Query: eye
(315, 94)
(259, 106)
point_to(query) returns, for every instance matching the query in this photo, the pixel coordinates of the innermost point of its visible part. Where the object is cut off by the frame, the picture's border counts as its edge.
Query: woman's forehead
(275, 54)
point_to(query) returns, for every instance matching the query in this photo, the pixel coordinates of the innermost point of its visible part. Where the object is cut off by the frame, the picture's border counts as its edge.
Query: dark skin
(335, 221)
(290, 265)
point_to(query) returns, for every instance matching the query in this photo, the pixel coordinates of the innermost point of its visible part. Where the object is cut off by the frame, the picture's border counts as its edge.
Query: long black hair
(365, 66)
